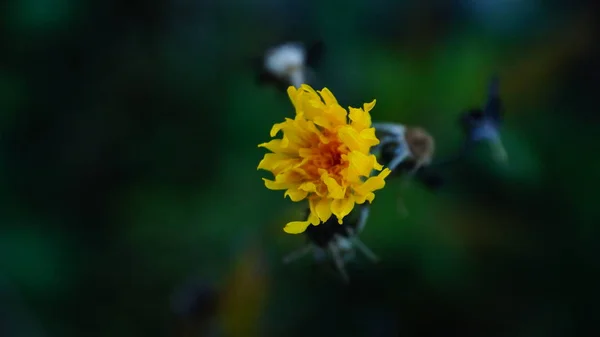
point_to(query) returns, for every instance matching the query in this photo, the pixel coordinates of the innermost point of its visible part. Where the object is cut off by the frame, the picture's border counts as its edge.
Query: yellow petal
(310, 93)
(368, 107)
(276, 162)
(351, 138)
(317, 104)
(342, 207)
(287, 179)
(307, 152)
(351, 176)
(322, 121)
(369, 137)
(323, 209)
(308, 187)
(337, 115)
(335, 190)
(305, 87)
(321, 190)
(297, 175)
(277, 146)
(292, 91)
(361, 198)
(277, 127)
(311, 110)
(361, 163)
(327, 96)
(312, 205)
(311, 127)
(296, 227)
(360, 119)
(313, 219)
(295, 194)
(276, 185)
(376, 165)
(295, 137)
(374, 183)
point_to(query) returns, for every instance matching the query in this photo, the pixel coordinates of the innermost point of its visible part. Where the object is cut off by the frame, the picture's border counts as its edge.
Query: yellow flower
(324, 157)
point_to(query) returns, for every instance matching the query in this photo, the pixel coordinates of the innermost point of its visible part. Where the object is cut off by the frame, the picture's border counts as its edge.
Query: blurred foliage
(128, 156)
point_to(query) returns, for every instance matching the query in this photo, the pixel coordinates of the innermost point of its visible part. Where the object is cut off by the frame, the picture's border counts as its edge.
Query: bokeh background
(131, 204)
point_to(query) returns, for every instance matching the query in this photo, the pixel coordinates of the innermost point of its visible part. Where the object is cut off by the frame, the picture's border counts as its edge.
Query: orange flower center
(327, 157)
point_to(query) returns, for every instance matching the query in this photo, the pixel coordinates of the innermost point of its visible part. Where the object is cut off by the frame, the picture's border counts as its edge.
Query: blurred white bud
(287, 62)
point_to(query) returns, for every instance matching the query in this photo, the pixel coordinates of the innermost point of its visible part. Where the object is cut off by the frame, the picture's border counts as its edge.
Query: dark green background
(128, 156)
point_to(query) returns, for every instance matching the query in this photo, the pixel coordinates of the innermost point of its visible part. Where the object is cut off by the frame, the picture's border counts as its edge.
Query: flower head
(324, 157)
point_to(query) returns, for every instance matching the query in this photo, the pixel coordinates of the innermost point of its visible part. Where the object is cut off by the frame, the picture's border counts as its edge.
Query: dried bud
(404, 148)
(288, 63)
(483, 125)
(421, 145)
